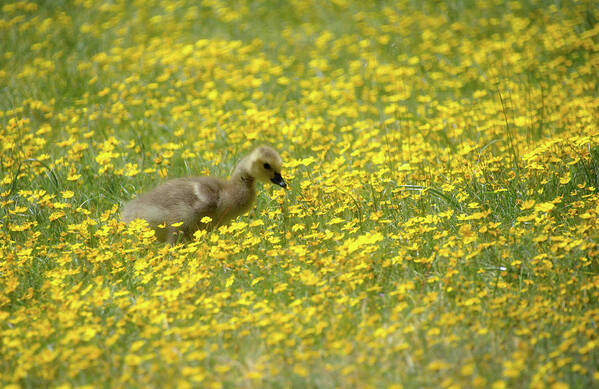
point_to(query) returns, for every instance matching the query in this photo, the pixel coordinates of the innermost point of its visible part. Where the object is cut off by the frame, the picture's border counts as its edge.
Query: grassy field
(441, 227)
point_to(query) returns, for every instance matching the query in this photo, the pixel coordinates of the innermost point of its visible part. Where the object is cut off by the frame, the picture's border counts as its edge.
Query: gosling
(180, 206)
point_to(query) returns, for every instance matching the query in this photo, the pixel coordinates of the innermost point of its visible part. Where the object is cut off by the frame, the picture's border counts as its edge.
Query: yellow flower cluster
(441, 227)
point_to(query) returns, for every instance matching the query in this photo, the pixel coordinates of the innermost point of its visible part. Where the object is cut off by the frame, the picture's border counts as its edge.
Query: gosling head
(264, 164)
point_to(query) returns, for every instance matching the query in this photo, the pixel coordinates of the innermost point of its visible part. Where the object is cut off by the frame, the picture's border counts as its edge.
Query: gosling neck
(243, 177)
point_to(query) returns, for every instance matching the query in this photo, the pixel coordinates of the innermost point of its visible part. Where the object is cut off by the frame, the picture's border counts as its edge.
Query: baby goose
(178, 206)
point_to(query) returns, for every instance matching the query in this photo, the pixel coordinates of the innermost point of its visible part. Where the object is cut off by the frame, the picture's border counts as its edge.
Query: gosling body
(178, 206)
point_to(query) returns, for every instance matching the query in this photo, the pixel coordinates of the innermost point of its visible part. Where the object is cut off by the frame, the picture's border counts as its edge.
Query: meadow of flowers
(441, 227)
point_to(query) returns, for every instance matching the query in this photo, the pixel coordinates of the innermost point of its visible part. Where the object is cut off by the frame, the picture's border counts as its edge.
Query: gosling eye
(266, 166)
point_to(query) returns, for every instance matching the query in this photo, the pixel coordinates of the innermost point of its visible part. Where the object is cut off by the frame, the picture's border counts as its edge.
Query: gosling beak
(277, 179)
